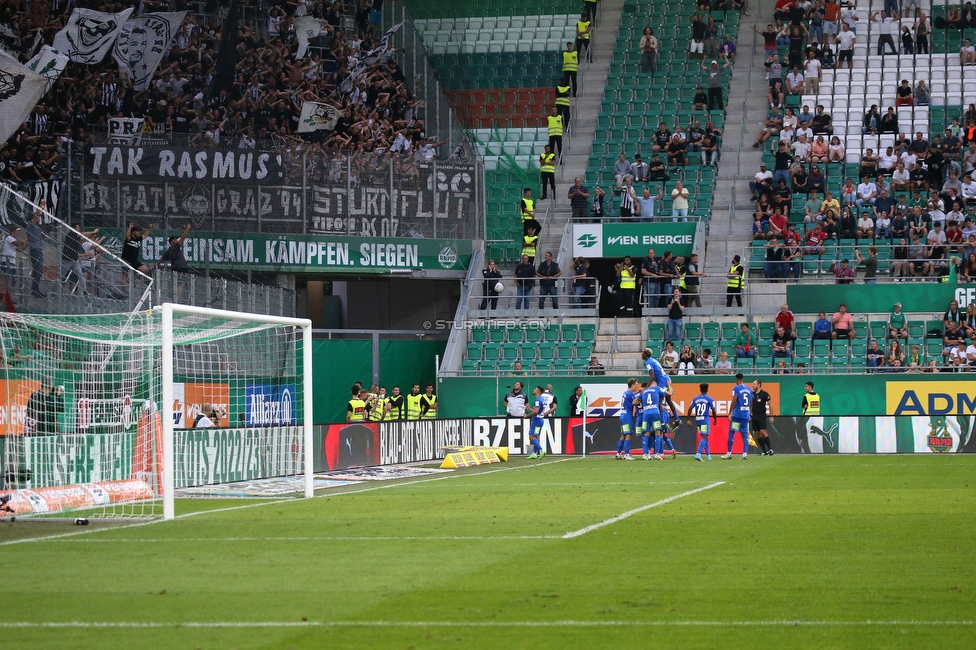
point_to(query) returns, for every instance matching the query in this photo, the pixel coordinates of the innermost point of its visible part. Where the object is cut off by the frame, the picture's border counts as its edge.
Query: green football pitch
(781, 552)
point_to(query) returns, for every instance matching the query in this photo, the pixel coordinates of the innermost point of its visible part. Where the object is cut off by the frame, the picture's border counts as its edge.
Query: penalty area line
(631, 513)
(468, 624)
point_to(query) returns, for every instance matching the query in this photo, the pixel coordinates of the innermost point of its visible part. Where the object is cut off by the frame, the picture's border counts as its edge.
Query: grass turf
(790, 551)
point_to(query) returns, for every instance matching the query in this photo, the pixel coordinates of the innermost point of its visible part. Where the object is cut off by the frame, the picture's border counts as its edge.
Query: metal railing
(482, 302)
(222, 293)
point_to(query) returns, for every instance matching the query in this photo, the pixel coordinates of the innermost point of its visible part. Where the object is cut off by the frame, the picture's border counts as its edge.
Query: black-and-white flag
(89, 34)
(49, 63)
(317, 117)
(307, 28)
(142, 44)
(126, 130)
(20, 90)
(373, 56)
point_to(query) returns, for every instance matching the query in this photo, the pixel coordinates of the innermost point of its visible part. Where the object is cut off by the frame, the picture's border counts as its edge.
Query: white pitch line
(631, 513)
(471, 624)
(282, 501)
(305, 539)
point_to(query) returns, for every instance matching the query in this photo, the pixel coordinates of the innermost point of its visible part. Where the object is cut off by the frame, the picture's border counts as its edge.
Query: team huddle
(648, 412)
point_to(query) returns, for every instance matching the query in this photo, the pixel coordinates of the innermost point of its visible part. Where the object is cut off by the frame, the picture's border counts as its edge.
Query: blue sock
(745, 442)
(658, 445)
(620, 445)
(731, 439)
(701, 445)
(646, 444)
(536, 447)
(705, 442)
(668, 442)
(626, 446)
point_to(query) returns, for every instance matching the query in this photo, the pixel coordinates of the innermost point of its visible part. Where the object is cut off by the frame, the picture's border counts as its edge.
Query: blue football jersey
(741, 402)
(651, 399)
(627, 405)
(702, 407)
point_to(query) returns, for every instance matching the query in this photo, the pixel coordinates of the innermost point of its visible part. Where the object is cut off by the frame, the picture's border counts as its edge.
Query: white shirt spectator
(805, 130)
(794, 79)
(885, 25)
(867, 191)
(903, 176)
(909, 158)
(865, 222)
(811, 68)
(767, 176)
(845, 40)
(936, 237)
(669, 359)
(801, 148)
(886, 161)
(969, 190)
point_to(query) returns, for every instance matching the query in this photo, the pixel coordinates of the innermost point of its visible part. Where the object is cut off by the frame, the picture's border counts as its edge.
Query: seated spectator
(778, 223)
(847, 224)
(871, 122)
(700, 101)
(843, 324)
(771, 127)
(967, 53)
(776, 97)
(669, 358)
(657, 170)
(811, 209)
(819, 150)
(782, 197)
(745, 343)
(830, 204)
(764, 207)
(677, 150)
(922, 95)
(790, 126)
(814, 244)
(686, 360)
(918, 222)
(869, 165)
(918, 255)
(706, 363)
(822, 124)
(952, 315)
(968, 189)
(595, 367)
(904, 95)
(639, 169)
(887, 161)
(621, 168)
(843, 272)
(896, 357)
(900, 264)
(760, 227)
(968, 323)
(875, 357)
(900, 178)
(915, 359)
(821, 328)
(782, 345)
(837, 151)
(865, 226)
(801, 149)
(763, 183)
(695, 134)
(867, 194)
(723, 366)
(882, 226)
(709, 151)
(953, 338)
(969, 269)
(897, 323)
(795, 82)
(780, 368)
(800, 180)
(661, 137)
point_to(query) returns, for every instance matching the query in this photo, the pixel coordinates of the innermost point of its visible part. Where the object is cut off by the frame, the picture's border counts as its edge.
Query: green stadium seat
(496, 334)
(693, 332)
(587, 332)
(801, 349)
(804, 330)
(820, 364)
(469, 367)
(562, 366)
(583, 349)
(580, 365)
(510, 351)
(730, 331)
(766, 330)
(933, 349)
(569, 332)
(931, 325)
(550, 333)
(547, 350)
(879, 330)
(821, 349)
(764, 364)
(479, 334)
(533, 334)
(655, 332)
(765, 349)
(528, 351)
(492, 351)
(564, 350)
(474, 351)
(710, 331)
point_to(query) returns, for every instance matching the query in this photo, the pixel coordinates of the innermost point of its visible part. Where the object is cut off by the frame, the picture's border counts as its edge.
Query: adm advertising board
(306, 253)
(633, 239)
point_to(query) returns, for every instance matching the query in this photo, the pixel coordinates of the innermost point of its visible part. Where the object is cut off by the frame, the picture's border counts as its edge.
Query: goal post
(116, 415)
(168, 349)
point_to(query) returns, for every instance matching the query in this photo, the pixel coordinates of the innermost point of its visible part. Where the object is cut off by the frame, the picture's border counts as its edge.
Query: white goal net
(115, 415)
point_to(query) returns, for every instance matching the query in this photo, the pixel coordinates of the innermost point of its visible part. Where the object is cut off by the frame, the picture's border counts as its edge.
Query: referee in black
(760, 400)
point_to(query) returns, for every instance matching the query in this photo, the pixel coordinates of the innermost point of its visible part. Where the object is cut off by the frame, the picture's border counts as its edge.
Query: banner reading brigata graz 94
(251, 190)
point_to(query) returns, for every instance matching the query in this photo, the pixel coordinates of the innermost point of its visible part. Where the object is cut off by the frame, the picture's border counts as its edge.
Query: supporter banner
(307, 28)
(208, 456)
(49, 63)
(306, 253)
(269, 405)
(13, 210)
(45, 461)
(89, 34)
(408, 442)
(20, 90)
(162, 163)
(317, 117)
(633, 239)
(126, 130)
(142, 43)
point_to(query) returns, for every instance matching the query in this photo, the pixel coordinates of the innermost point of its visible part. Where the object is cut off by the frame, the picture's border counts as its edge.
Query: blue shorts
(703, 429)
(626, 425)
(652, 422)
(740, 425)
(535, 427)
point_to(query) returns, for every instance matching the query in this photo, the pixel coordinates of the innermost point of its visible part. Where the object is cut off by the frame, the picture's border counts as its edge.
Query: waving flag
(89, 34)
(49, 63)
(143, 42)
(20, 90)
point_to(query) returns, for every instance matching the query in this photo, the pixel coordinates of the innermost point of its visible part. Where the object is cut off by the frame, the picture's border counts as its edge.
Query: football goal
(115, 415)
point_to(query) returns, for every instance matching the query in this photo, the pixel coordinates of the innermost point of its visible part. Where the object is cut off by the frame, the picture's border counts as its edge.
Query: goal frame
(167, 350)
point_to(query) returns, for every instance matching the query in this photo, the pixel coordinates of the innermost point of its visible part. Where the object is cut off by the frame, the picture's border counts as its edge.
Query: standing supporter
(547, 172)
(570, 66)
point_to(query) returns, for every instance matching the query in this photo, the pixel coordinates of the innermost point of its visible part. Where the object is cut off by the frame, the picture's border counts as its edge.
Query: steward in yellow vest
(413, 403)
(562, 100)
(733, 290)
(428, 404)
(547, 170)
(527, 212)
(811, 401)
(554, 124)
(583, 28)
(356, 409)
(571, 64)
(398, 406)
(529, 244)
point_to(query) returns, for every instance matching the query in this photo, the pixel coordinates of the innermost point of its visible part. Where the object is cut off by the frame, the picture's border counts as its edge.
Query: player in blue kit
(535, 426)
(665, 439)
(627, 409)
(741, 414)
(651, 416)
(701, 408)
(655, 370)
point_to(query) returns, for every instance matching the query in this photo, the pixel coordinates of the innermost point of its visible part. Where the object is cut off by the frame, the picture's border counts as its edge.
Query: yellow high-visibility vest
(529, 242)
(562, 95)
(377, 409)
(627, 279)
(396, 408)
(570, 61)
(431, 404)
(581, 26)
(736, 281)
(358, 410)
(813, 404)
(413, 406)
(555, 125)
(528, 206)
(547, 163)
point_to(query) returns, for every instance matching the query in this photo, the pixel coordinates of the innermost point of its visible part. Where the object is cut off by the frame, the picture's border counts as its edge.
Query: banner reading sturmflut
(143, 42)
(89, 34)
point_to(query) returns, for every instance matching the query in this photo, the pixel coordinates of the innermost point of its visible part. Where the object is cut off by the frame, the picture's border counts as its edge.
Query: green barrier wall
(336, 365)
(842, 395)
(867, 298)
